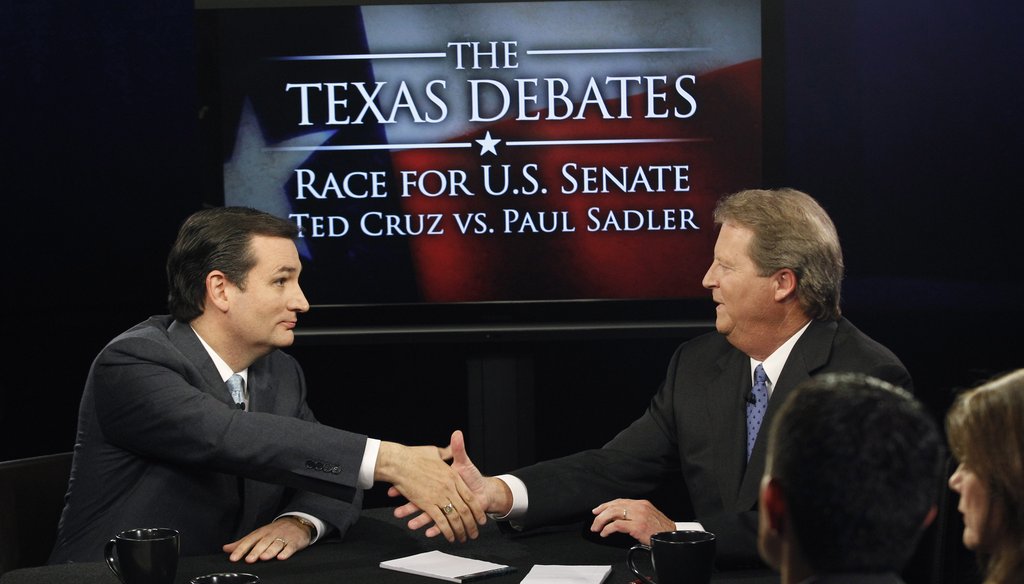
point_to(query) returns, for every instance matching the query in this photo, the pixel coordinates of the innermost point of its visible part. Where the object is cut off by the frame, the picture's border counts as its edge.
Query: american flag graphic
(494, 151)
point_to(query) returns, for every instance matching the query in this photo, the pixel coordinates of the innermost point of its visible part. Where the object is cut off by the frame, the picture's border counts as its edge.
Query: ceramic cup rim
(156, 534)
(208, 577)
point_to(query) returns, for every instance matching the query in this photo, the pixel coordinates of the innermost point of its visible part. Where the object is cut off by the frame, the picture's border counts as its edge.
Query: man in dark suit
(851, 481)
(775, 279)
(164, 442)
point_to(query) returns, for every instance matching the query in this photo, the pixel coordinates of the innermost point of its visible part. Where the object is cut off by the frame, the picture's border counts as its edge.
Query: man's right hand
(421, 475)
(491, 493)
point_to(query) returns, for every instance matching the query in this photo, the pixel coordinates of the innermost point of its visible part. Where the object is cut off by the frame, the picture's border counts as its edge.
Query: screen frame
(511, 320)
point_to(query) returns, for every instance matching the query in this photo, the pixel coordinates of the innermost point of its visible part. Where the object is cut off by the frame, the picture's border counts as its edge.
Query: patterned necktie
(237, 386)
(756, 408)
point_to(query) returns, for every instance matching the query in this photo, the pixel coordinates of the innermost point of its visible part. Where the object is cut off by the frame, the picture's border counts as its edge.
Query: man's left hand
(280, 539)
(638, 518)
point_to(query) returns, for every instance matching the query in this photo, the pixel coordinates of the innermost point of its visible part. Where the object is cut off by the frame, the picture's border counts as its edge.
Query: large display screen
(543, 154)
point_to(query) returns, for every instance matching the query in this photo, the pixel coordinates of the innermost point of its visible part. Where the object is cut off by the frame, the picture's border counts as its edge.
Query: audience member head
(791, 230)
(215, 239)
(985, 428)
(851, 480)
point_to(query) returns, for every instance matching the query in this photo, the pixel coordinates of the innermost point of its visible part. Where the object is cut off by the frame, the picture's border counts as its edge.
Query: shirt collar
(774, 363)
(222, 367)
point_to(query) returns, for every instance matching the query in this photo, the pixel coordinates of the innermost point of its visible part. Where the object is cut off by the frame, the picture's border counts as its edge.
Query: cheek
(974, 491)
(730, 290)
(976, 506)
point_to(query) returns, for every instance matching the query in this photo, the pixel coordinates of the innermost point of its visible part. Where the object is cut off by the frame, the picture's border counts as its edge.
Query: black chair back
(31, 500)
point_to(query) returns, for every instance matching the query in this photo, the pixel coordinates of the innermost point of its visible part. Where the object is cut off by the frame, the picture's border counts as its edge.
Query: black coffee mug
(144, 556)
(226, 578)
(678, 557)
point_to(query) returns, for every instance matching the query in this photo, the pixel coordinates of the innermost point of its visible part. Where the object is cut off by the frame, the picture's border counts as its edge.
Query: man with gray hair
(775, 279)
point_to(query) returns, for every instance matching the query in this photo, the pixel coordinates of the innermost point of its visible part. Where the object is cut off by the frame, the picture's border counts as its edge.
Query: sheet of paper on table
(437, 564)
(556, 574)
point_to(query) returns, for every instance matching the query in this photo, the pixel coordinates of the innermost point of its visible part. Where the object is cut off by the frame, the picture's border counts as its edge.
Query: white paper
(555, 574)
(437, 564)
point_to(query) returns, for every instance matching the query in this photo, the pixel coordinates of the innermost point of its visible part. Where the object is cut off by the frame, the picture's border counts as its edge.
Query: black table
(378, 536)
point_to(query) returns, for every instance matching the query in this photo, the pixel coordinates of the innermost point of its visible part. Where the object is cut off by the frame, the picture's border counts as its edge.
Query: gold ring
(448, 509)
(625, 515)
(282, 540)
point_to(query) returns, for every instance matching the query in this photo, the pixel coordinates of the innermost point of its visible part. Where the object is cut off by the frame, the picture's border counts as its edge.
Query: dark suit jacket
(696, 425)
(160, 444)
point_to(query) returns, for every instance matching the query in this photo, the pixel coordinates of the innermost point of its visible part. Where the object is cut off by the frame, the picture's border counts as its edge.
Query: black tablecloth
(378, 536)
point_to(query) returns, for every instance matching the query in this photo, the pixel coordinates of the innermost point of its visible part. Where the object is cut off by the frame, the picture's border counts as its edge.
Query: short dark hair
(860, 462)
(215, 239)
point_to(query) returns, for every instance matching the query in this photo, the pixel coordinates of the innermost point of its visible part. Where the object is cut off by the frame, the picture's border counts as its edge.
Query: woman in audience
(985, 428)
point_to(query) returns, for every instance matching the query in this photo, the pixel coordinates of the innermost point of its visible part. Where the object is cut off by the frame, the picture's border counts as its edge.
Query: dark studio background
(903, 118)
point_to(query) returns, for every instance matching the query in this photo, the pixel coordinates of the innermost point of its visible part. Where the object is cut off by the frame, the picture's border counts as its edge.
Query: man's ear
(771, 512)
(773, 504)
(216, 290)
(785, 284)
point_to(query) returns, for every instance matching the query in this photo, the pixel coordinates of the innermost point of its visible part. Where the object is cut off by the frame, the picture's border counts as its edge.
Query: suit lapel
(726, 393)
(262, 396)
(255, 493)
(185, 339)
(809, 354)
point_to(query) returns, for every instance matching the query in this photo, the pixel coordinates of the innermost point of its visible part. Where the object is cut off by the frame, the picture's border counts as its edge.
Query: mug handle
(108, 553)
(629, 560)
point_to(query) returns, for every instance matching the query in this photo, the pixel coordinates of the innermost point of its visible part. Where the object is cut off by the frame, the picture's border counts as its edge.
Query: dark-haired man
(167, 438)
(853, 472)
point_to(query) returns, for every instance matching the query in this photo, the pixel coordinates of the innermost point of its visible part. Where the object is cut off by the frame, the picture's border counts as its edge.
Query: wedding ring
(625, 515)
(282, 540)
(448, 509)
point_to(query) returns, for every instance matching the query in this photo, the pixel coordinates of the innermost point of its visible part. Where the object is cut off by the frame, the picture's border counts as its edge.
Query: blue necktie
(237, 386)
(756, 408)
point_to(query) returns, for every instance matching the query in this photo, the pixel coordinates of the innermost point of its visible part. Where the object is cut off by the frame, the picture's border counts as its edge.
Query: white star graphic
(255, 176)
(487, 144)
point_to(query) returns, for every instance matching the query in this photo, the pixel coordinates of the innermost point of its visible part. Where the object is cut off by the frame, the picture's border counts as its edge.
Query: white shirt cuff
(369, 464)
(520, 499)
(689, 526)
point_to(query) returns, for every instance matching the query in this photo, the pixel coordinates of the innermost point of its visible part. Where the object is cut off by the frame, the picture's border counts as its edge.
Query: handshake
(455, 498)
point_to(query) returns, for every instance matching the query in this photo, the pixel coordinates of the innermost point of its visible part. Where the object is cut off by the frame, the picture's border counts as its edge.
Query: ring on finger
(282, 540)
(448, 509)
(625, 514)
